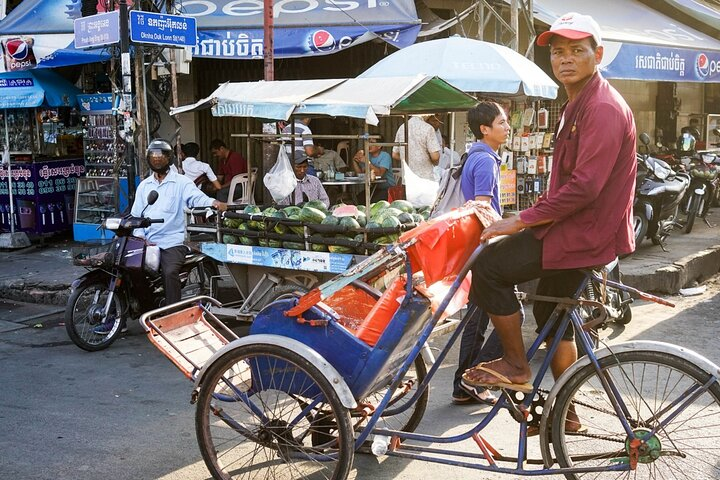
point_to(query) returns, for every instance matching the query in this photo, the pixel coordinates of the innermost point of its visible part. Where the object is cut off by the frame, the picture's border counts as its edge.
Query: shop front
(43, 155)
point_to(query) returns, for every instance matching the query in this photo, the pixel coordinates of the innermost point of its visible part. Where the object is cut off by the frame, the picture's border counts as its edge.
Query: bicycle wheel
(647, 383)
(262, 426)
(85, 321)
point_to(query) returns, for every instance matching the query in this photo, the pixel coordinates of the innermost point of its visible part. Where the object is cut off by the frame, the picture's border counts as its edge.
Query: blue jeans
(472, 350)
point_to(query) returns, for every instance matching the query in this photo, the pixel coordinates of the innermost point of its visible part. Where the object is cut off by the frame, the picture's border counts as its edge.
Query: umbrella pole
(452, 135)
(7, 155)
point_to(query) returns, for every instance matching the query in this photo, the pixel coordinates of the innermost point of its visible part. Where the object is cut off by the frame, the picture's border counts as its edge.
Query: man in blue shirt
(175, 192)
(381, 165)
(481, 181)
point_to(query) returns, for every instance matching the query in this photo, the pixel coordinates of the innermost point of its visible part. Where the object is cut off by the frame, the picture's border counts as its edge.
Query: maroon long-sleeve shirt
(592, 183)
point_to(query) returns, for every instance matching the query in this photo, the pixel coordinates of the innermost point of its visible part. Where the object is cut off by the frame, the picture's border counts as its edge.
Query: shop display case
(103, 192)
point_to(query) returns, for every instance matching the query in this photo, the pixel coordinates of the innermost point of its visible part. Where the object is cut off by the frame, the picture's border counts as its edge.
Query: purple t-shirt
(481, 174)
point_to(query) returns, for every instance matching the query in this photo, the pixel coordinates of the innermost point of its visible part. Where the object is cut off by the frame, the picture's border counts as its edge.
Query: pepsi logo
(322, 41)
(703, 65)
(18, 49)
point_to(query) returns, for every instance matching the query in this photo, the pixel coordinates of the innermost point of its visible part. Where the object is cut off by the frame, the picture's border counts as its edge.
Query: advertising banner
(653, 63)
(40, 33)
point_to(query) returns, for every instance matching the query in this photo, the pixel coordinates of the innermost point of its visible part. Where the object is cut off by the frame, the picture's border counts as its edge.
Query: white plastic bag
(420, 192)
(280, 180)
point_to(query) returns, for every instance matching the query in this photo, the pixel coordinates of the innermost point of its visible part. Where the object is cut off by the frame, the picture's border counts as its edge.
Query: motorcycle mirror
(645, 139)
(151, 199)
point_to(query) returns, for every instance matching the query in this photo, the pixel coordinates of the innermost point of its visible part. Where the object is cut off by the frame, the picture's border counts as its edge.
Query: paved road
(124, 413)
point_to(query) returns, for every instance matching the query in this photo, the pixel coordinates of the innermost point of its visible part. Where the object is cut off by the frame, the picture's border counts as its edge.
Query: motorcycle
(125, 282)
(703, 189)
(659, 191)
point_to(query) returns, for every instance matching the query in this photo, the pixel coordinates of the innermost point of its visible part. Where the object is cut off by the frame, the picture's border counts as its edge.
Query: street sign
(161, 29)
(97, 30)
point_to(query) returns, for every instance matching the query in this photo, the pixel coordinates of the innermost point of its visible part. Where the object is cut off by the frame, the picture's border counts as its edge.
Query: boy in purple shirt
(481, 181)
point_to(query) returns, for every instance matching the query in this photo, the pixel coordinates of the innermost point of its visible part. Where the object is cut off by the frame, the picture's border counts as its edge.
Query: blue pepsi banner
(647, 62)
(41, 32)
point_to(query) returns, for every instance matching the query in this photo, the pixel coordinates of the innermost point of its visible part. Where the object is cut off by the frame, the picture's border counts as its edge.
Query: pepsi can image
(18, 53)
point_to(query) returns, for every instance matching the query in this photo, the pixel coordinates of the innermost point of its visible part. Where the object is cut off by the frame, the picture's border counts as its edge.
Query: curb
(35, 292)
(669, 279)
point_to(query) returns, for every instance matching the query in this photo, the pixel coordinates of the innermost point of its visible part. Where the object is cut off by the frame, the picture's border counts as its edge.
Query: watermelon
(377, 207)
(390, 222)
(293, 245)
(231, 239)
(319, 247)
(346, 211)
(349, 222)
(361, 219)
(279, 227)
(340, 249)
(317, 204)
(403, 205)
(330, 220)
(292, 210)
(251, 210)
(417, 218)
(362, 209)
(405, 218)
(384, 240)
(311, 215)
(332, 209)
(299, 229)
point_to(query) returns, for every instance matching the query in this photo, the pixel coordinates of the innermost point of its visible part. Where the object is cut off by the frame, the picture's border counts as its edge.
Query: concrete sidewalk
(43, 273)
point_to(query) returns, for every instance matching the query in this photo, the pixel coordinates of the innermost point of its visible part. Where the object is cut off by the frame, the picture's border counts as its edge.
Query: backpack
(450, 192)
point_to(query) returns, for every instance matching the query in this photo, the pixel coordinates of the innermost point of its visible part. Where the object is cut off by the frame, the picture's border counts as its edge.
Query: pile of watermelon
(339, 229)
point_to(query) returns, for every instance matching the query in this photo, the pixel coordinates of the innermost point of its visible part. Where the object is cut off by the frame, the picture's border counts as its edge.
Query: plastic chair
(343, 149)
(243, 180)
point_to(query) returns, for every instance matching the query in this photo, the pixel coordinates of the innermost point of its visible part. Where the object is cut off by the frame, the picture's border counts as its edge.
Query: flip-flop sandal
(503, 383)
(533, 431)
(473, 396)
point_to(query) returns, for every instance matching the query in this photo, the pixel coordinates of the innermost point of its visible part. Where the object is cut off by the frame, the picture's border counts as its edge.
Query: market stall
(300, 247)
(42, 144)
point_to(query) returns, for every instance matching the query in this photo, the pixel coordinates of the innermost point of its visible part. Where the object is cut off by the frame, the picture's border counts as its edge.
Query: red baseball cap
(573, 26)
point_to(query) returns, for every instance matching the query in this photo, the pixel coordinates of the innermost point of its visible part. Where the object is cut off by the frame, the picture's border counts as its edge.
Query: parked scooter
(125, 282)
(703, 188)
(658, 194)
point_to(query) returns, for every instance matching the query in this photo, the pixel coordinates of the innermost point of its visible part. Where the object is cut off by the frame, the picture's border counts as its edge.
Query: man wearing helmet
(175, 192)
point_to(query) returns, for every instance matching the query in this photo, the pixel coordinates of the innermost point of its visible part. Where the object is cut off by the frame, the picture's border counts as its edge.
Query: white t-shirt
(422, 142)
(194, 168)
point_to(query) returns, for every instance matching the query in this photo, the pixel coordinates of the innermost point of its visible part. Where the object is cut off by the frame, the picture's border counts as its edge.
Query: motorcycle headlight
(112, 223)
(661, 172)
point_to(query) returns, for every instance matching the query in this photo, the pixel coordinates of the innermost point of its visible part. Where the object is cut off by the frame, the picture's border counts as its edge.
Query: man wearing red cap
(583, 220)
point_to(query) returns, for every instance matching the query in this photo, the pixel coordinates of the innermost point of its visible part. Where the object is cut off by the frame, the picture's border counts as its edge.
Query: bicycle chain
(538, 404)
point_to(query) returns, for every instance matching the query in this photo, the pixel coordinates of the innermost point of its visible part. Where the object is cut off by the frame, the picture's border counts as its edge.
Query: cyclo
(311, 384)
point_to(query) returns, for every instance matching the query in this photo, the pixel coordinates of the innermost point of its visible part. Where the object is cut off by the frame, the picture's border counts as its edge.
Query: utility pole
(270, 149)
(126, 97)
(268, 41)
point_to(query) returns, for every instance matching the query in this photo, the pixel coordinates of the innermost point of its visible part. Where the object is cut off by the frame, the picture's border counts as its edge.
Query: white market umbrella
(469, 65)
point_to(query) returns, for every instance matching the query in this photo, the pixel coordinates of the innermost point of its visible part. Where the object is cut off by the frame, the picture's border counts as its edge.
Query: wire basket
(95, 256)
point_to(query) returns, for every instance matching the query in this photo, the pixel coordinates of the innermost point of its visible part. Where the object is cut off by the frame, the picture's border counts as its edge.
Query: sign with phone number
(279, 257)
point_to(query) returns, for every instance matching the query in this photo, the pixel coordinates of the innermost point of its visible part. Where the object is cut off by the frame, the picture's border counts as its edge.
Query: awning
(267, 100)
(36, 88)
(641, 43)
(226, 29)
(705, 11)
(365, 98)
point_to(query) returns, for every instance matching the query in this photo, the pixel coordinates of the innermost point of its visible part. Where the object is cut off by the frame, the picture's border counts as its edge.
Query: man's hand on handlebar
(506, 226)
